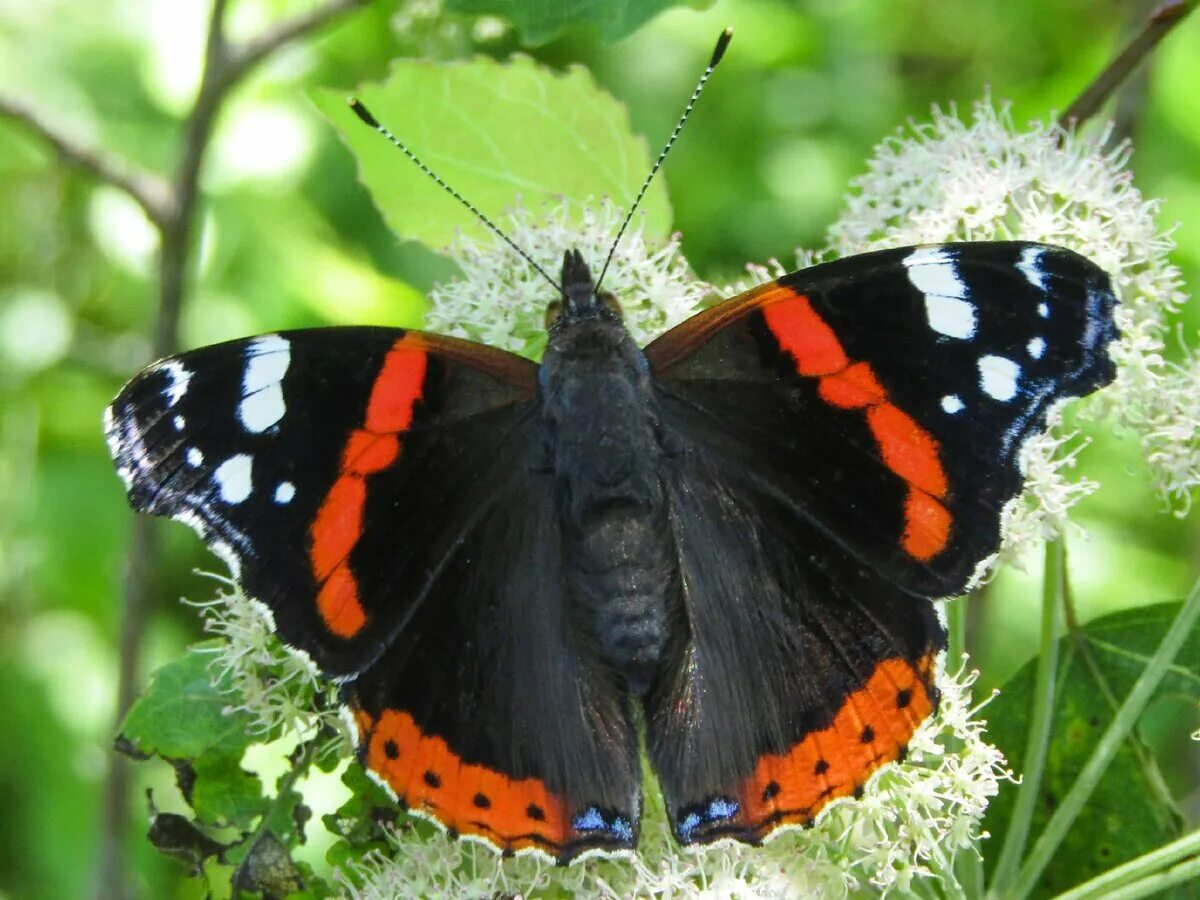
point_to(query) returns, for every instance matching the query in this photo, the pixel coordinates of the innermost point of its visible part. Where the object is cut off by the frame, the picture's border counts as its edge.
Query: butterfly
(726, 542)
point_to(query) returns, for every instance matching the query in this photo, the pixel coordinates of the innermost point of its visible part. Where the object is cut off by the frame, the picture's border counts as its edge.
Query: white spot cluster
(284, 492)
(234, 478)
(267, 360)
(998, 377)
(1036, 347)
(947, 307)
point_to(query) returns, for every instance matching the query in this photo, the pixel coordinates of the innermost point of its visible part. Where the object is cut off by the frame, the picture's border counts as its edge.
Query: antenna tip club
(722, 44)
(362, 112)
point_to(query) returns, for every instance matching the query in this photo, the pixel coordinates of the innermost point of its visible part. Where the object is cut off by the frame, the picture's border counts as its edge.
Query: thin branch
(149, 191)
(224, 68)
(250, 54)
(1158, 25)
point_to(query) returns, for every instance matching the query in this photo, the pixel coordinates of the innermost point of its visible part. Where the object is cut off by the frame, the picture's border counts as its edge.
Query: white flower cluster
(276, 687)
(911, 822)
(984, 179)
(501, 300)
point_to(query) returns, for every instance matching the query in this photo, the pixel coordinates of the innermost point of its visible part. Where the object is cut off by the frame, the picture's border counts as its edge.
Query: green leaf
(495, 132)
(1127, 814)
(541, 20)
(225, 793)
(182, 714)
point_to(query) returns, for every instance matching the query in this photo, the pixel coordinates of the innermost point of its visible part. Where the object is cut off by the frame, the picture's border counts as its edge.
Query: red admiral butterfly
(731, 536)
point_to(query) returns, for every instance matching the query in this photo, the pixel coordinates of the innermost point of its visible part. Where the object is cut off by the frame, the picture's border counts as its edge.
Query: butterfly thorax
(602, 437)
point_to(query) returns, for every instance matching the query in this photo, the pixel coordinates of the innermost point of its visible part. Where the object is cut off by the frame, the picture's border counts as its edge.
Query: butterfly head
(580, 301)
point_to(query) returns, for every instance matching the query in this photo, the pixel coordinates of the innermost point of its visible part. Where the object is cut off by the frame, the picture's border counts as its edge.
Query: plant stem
(1017, 833)
(1156, 885)
(1147, 864)
(1124, 721)
(1158, 25)
(956, 619)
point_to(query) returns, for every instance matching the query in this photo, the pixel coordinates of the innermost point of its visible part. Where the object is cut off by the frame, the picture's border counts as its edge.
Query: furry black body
(605, 447)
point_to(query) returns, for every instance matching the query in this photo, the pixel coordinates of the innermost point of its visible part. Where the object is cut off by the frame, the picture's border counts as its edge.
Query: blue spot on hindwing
(717, 810)
(593, 820)
(687, 825)
(721, 808)
(588, 820)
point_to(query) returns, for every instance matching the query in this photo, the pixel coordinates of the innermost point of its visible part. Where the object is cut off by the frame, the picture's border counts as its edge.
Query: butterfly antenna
(365, 114)
(718, 52)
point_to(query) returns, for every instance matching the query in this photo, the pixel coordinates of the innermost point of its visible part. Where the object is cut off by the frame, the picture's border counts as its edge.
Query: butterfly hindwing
(845, 439)
(887, 396)
(488, 714)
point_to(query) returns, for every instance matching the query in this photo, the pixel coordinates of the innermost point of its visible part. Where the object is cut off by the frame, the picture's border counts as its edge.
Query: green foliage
(495, 132)
(183, 714)
(1131, 811)
(541, 20)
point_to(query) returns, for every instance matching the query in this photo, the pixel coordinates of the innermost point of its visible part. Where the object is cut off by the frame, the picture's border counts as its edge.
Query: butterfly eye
(553, 311)
(610, 301)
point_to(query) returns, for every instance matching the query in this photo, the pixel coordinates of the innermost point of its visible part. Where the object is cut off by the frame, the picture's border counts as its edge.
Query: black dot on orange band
(868, 735)
(821, 768)
(535, 812)
(858, 792)
(390, 749)
(481, 801)
(432, 779)
(903, 698)
(771, 791)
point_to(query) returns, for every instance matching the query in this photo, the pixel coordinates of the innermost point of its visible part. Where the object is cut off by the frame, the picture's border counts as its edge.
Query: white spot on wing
(1036, 347)
(1043, 310)
(178, 377)
(267, 360)
(1029, 265)
(950, 316)
(194, 456)
(998, 377)
(952, 404)
(233, 478)
(262, 409)
(178, 422)
(284, 492)
(931, 271)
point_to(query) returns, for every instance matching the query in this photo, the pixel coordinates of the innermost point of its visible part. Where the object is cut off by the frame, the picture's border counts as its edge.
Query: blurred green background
(289, 239)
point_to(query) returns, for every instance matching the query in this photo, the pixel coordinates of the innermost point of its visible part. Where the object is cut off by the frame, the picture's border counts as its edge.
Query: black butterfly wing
(487, 714)
(848, 437)
(888, 395)
(271, 447)
(374, 488)
(799, 670)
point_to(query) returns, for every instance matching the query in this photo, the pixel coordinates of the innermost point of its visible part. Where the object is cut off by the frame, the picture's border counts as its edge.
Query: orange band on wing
(905, 447)
(802, 332)
(428, 777)
(873, 727)
(338, 524)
